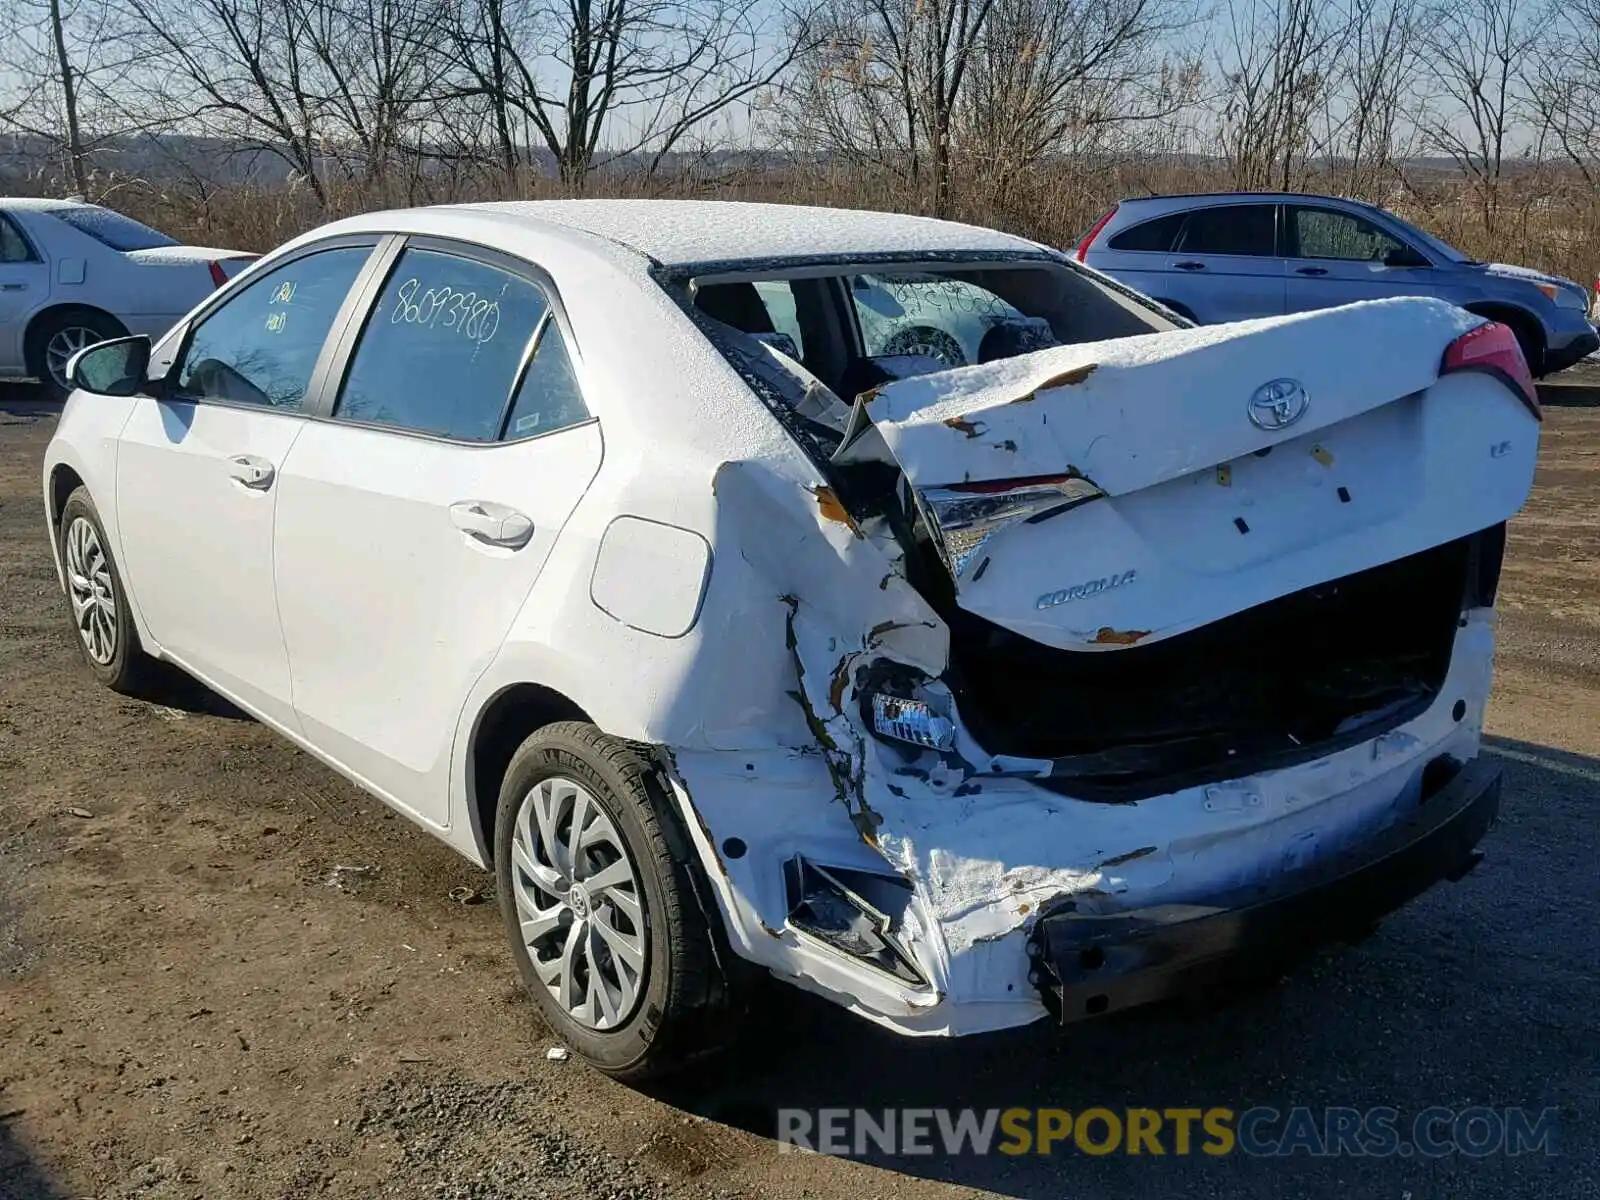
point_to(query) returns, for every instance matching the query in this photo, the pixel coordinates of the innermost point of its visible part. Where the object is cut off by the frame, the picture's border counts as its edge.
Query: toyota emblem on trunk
(1278, 404)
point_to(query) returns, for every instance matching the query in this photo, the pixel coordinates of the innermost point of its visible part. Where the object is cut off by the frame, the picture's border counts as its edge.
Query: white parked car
(1050, 685)
(72, 274)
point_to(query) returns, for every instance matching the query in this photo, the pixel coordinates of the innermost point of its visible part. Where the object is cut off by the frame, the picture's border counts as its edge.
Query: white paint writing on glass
(443, 307)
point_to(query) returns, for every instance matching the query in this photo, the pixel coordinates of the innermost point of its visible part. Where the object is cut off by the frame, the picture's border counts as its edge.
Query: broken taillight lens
(964, 516)
(1493, 349)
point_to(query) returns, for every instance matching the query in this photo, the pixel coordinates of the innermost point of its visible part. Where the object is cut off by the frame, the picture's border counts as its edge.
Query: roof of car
(681, 232)
(39, 203)
(1242, 197)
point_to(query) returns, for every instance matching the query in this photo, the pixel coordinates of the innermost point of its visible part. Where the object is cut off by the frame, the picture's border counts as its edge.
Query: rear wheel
(610, 927)
(100, 617)
(60, 335)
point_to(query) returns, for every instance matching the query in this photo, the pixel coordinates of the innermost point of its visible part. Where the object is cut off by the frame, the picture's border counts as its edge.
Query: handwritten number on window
(471, 316)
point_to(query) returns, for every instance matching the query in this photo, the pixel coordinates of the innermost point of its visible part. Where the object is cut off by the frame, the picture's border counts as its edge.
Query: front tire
(598, 891)
(101, 619)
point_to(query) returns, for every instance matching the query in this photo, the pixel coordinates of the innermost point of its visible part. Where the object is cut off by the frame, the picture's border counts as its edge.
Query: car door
(1337, 257)
(1225, 265)
(24, 289)
(198, 469)
(412, 525)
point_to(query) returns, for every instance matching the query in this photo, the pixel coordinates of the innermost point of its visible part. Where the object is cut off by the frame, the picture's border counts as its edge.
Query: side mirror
(115, 368)
(1404, 256)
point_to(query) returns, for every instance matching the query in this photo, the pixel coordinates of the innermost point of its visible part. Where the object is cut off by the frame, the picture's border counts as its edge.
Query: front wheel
(58, 337)
(100, 617)
(598, 891)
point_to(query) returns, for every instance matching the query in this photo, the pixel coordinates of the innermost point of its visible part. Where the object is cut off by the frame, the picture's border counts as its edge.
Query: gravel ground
(196, 1001)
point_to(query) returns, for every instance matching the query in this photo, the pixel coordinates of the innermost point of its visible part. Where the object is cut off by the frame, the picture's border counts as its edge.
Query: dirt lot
(195, 1001)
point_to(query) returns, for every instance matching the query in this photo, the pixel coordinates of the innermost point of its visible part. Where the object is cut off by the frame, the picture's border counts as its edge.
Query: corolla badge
(1278, 404)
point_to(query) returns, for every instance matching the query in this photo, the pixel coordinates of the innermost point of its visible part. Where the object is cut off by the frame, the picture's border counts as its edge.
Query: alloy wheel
(579, 904)
(92, 591)
(58, 351)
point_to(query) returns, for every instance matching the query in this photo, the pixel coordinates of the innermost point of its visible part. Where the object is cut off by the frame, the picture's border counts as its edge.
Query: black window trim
(375, 244)
(1278, 235)
(331, 382)
(1291, 231)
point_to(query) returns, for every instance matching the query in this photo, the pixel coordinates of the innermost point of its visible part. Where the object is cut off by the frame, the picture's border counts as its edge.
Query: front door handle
(492, 524)
(252, 472)
(1311, 270)
(1189, 264)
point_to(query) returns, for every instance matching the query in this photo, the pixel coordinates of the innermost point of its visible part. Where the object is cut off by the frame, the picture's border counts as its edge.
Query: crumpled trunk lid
(1229, 465)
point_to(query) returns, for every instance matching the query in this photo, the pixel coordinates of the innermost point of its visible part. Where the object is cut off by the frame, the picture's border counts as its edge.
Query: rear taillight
(1492, 348)
(1081, 253)
(218, 275)
(964, 516)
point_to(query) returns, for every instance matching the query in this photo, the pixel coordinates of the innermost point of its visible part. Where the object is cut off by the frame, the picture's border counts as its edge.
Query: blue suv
(1234, 255)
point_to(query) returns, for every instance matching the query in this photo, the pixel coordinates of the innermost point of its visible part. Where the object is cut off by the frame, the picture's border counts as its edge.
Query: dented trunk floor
(196, 1001)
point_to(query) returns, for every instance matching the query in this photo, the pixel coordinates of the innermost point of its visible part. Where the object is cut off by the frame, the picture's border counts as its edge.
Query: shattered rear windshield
(811, 337)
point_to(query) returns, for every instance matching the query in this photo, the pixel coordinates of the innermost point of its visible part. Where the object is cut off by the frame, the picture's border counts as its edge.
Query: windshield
(111, 228)
(814, 341)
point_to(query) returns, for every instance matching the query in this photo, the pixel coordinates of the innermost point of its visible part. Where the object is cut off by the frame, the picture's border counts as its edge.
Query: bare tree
(64, 70)
(597, 81)
(883, 82)
(1278, 65)
(1474, 54)
(1072, 76)
(1561, 80)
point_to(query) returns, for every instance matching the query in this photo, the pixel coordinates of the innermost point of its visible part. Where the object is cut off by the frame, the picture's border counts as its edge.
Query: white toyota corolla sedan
(1049, 685)
(72, 274)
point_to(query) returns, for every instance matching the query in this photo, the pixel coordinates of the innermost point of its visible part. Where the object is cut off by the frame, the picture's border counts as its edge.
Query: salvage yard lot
(225, 972)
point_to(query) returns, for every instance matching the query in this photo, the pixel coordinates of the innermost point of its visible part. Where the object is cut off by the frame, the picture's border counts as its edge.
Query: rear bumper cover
(1086, 965)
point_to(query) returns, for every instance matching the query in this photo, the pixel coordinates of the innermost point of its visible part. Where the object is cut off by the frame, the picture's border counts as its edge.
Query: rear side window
(1157, 235)
(1231, 229)
(548, 397)
(14, 247)
(111, 228)
(443, 348)
(261, 344)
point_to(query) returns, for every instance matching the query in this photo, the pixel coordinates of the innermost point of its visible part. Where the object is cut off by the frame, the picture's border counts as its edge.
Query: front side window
(1230, 229)
(443, 347)
(261, 344)
(14, 247)
(111, 228)
(1323, 233)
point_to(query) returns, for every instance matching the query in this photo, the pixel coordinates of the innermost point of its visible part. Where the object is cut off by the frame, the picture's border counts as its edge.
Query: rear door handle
(13, 287)
(492, 524)
(1311, 270)
(1189, 264)
(251, 472)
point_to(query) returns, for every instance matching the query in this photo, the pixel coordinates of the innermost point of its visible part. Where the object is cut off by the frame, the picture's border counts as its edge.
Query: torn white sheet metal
(1138, 411)
(1203, 512)
(987, 854)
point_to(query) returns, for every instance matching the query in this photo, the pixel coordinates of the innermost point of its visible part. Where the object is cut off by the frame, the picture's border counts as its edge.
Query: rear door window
(1157, 235)
(1247, 229)
(261, 344)
(443, 347)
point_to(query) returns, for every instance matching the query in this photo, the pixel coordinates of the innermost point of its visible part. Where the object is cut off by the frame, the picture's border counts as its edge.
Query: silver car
(1235, 255)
